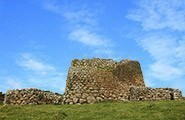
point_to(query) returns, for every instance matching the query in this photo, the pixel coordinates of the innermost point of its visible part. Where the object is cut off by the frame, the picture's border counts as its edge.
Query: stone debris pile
(151, 94)
(32, 97)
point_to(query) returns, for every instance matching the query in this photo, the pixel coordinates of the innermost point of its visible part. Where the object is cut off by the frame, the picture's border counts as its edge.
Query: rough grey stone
(91, 99)
(31, 97)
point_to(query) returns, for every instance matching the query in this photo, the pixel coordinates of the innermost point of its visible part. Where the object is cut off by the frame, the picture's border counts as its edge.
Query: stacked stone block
(32, 97)
(151, 94)
(95, 80)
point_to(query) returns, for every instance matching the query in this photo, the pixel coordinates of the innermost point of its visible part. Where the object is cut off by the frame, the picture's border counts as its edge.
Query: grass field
(161, 110)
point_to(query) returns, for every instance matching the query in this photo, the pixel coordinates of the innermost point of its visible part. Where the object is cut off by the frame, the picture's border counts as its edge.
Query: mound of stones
(1, 97)
(151, 94)
(31, 97)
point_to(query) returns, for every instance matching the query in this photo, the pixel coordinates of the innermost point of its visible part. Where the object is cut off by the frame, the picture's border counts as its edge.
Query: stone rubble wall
(32, 97)
(152, 94)
(95, 80)
(1, 97)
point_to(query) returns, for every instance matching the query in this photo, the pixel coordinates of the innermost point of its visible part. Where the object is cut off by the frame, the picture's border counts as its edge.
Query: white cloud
(52, 5)
(13, 84)
(88, 38)
(74, 12)
(81, 17)
(38, 73)
(163, 26)
(10, 82)
(54, 81)
(30, 62)
(180, 54)
(160, 46)
(167, 52)
(82, 23)
(160, 14)
(165, 71)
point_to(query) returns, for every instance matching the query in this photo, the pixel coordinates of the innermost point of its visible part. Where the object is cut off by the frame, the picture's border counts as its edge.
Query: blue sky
(40, 38)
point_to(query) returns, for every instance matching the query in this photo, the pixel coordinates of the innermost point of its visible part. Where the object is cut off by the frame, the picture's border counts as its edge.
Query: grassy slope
(163, 110)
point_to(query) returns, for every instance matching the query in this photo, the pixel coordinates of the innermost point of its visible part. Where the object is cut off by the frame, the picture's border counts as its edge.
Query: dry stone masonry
(31, 97)
(150, 94)
(96, 80)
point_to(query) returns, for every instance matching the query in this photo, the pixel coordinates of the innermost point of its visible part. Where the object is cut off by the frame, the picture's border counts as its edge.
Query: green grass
(1, 102)
(161, 110)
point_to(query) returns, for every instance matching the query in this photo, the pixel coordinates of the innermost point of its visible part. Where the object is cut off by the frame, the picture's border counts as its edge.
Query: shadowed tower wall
(94, 80)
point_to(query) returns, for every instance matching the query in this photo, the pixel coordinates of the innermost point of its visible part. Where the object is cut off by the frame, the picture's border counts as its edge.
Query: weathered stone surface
(99, 99)
(151, 94)
(31, 97)
(81, 101)
(84, 95)
(102, 78)
(96, 80)
(68, 101)
(75, 100)
(91, 99)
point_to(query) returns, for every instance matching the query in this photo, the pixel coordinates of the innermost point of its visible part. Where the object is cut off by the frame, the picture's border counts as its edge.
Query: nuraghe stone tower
(96, 80)
(93, 80)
